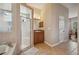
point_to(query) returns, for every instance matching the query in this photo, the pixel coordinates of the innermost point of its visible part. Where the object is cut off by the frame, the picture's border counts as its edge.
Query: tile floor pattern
(65, 48)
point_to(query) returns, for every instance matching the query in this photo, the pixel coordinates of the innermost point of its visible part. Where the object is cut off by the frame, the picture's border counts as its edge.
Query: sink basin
(4, 49)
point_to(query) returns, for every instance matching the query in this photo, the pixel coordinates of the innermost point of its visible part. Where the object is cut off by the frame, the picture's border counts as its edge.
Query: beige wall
(17, 26)
(78, 29)
(51, 13)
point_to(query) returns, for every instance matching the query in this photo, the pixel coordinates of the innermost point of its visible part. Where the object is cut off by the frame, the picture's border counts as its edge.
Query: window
(5, 18)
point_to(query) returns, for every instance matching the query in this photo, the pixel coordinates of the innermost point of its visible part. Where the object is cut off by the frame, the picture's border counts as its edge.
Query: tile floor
(65, 48)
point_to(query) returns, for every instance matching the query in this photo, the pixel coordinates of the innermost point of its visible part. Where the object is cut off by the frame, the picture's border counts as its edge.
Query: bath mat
(31, 51)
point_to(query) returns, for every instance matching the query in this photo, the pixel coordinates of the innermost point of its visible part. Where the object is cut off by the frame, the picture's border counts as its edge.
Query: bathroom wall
(51, 18)
(78, 30)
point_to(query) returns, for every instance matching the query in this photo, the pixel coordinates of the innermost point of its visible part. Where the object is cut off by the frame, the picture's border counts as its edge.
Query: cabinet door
(38, 37)
(41, 36)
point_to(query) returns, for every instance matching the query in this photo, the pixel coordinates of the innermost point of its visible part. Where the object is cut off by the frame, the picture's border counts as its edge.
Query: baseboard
(47, 43)
(53, 44)
(56, 44)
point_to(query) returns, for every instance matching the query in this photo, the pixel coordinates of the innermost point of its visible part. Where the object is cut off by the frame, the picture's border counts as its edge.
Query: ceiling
(71, 6)
(72, 9)
(37, 5)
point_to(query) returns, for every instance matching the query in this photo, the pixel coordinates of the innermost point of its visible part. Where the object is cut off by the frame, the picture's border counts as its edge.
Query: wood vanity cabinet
(38, 36)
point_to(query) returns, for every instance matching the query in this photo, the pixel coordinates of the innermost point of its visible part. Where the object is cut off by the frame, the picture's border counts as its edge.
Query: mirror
(5, 17)
(36, 24)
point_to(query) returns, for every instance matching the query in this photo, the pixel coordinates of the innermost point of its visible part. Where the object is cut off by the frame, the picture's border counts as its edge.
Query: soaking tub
(7, 49)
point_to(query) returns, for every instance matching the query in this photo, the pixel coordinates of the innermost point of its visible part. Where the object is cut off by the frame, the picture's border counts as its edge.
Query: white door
(61, 28)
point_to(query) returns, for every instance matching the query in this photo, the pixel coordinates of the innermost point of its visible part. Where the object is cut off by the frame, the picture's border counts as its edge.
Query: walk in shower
(26, 17)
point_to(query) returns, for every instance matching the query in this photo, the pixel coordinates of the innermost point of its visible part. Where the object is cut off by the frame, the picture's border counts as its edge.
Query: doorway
(73, 29)
(61, 28)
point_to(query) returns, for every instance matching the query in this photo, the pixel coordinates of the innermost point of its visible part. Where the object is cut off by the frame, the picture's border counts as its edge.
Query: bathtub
(6, 49)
